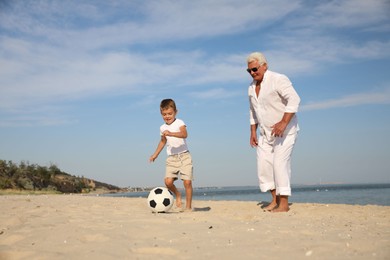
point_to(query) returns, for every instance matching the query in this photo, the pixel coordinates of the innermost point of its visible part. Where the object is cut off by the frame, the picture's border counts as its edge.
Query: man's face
(256, 70)
(168, 115)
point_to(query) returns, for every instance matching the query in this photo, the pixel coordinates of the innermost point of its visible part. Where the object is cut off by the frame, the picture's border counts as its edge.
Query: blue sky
(81, 83)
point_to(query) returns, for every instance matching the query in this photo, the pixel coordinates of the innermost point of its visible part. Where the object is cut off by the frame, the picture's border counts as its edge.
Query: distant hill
(32, 177)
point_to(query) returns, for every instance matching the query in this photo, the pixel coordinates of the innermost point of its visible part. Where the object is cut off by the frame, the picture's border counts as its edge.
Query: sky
(81, 83)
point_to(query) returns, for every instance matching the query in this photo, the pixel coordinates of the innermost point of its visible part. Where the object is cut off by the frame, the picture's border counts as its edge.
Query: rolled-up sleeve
(287, 91)
(252, 114)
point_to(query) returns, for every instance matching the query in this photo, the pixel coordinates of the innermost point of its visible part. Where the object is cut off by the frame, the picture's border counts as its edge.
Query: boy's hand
(166, 133)
(152, 158)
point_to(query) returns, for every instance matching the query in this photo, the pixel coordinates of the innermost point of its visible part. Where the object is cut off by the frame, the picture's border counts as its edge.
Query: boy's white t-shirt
(174, 145)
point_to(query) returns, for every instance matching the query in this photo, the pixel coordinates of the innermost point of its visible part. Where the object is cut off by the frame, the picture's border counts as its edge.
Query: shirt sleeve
(252, 115)
(288, 93)
(161, 130)
(180, 123)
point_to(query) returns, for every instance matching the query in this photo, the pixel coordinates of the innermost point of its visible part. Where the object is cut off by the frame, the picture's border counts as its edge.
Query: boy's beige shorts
(179, 164)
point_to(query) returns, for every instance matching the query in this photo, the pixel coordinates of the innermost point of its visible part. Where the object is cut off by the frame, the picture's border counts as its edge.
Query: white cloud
(303, 56)
(331, 15)
(323, 33)
(55, 51)
(43, 74)
(369, 98)
(37, 120)
(215, 93)
(104, 25)
(183, 19)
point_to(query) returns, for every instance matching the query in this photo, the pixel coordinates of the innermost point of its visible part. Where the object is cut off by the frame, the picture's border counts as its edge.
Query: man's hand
(253, 140)
(278, 129)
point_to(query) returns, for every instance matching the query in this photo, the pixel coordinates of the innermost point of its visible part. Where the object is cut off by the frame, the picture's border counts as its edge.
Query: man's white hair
(256, 56)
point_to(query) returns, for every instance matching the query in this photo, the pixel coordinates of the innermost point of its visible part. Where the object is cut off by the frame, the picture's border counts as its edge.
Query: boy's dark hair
(167, 103)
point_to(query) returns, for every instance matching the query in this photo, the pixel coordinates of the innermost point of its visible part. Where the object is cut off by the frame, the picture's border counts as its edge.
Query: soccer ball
(160, 200)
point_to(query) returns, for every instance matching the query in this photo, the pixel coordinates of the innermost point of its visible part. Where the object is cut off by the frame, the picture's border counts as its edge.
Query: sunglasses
(253, 69)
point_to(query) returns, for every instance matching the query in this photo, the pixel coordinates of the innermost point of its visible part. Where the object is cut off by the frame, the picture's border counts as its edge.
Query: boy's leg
(188, 188)
(169, 182)
(186, 172)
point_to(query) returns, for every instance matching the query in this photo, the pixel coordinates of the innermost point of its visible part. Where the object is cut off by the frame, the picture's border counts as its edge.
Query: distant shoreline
(147, 189)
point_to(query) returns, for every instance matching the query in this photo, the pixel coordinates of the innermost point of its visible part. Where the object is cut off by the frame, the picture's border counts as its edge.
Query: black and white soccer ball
(160, 200)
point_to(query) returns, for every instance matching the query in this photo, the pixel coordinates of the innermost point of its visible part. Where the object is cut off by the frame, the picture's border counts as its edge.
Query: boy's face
(168, 115)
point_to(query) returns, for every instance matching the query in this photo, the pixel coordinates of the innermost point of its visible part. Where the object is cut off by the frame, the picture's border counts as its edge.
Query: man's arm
(253, 139)
(278, 128)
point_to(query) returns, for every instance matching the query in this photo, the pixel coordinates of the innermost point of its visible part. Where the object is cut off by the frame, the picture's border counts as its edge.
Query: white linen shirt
(277, 96)
(174, 145)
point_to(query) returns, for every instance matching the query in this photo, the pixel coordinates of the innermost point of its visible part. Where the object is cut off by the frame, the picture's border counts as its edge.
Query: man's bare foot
(280, 209)
(274, 202)
(271, 206)
(282, 205)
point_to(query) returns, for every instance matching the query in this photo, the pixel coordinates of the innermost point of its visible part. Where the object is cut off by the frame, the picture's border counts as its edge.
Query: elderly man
(273, 103)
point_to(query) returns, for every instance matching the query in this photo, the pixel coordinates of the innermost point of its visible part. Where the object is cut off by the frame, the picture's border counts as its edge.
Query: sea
(353, 194)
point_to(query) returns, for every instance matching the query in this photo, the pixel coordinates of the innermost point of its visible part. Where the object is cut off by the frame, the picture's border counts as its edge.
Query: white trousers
(274, 163)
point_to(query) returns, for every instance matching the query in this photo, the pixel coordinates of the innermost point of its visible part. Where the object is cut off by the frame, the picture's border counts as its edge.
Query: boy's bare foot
(176, 209)
(178, 201)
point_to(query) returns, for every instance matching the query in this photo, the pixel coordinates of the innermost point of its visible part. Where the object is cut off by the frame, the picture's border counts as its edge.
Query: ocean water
(354, 194)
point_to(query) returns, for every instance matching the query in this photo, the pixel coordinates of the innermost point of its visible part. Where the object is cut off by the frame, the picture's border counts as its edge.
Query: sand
(96, 227)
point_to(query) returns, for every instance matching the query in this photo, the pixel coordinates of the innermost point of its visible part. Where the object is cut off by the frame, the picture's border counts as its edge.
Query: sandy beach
(96, 227)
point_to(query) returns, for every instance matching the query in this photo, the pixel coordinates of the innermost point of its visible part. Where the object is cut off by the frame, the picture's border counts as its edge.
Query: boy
(179, 160)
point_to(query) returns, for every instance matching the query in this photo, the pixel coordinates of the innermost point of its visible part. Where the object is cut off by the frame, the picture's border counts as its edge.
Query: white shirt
(174, 145)
(277, 96)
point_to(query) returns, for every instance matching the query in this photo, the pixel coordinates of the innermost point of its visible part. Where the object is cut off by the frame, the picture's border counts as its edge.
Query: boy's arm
(181, 134)
(159, 148)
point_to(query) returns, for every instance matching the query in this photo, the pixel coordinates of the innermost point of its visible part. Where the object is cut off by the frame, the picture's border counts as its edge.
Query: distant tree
(12, 169)
(3, 168)
(5, 183)
(54, 170)
(32, 176)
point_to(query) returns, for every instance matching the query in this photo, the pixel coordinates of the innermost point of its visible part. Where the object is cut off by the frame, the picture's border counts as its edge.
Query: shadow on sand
(202, 209)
